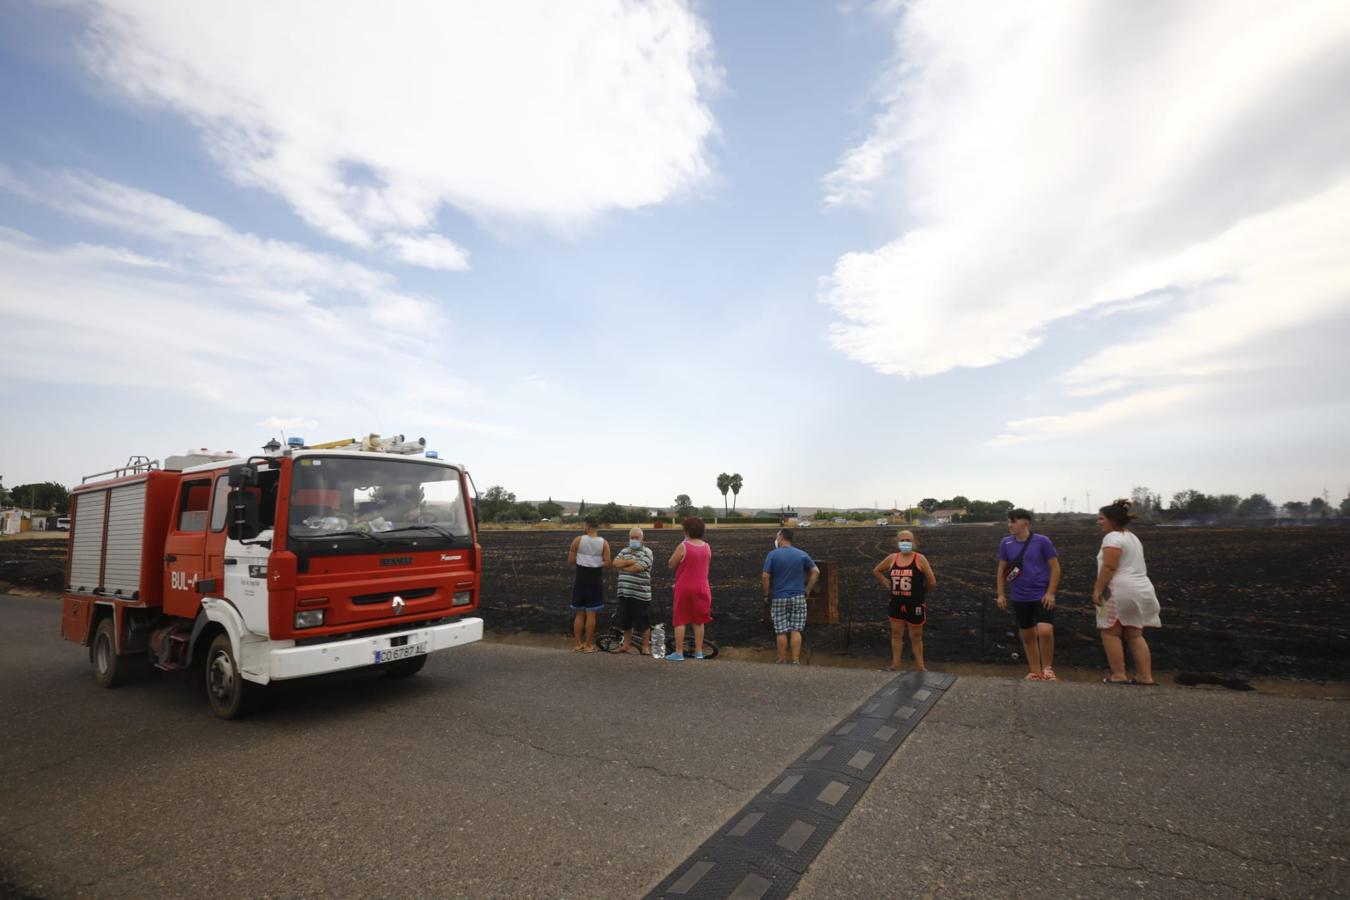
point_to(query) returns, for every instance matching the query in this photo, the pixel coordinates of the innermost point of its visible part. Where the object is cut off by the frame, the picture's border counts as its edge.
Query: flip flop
(622, 650)
(1109, 681)
(576, 649)
(1142, 683)
(589, 650)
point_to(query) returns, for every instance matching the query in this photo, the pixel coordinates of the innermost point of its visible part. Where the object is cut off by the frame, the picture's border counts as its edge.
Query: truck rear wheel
(228, 693)
(109, 668)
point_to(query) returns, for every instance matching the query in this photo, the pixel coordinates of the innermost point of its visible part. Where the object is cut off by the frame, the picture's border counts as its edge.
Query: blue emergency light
(295, 442)
(432, 454)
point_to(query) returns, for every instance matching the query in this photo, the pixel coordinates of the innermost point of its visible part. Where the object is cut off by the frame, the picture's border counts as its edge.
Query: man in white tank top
(590, 554)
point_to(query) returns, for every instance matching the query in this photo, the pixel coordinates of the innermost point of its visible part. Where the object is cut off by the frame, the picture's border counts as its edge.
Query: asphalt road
(524, 772)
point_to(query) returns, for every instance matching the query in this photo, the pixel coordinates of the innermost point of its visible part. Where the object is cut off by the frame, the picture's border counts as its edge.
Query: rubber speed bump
(763, 850)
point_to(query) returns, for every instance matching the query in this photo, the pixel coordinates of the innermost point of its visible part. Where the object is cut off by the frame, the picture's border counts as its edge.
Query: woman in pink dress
(693, 594)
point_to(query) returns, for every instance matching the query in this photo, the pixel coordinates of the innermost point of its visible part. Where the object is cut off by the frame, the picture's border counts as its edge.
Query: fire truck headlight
(462, 598)
(310, 618)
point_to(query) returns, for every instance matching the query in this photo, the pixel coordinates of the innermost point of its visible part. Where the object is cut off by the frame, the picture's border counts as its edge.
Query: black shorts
(1031, 612)
(904, 610)
(588, 592)
(635, 613)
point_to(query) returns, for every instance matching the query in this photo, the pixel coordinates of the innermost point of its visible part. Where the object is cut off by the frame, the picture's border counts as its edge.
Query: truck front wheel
(109, 670)
(228, 693)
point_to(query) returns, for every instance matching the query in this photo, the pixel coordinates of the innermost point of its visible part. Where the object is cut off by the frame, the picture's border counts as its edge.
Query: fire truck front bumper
(315, 659)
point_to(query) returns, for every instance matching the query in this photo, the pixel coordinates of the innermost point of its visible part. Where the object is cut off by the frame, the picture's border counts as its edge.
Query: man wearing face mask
(634, 563)
(789, 575)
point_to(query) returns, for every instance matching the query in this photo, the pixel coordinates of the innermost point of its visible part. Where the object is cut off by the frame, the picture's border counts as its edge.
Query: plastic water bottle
(659, 641)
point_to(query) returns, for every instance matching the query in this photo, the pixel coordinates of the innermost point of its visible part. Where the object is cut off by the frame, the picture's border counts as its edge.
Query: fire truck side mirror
(243, 475)
(244, 522)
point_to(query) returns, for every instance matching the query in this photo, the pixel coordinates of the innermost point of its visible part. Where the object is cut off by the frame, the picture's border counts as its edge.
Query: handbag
(1016, 568)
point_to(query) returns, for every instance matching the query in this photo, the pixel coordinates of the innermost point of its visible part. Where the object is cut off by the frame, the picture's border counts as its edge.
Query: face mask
(635, 545)
(906, 546)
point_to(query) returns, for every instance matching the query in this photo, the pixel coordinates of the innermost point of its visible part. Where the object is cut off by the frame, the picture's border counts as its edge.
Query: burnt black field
(1238, 602)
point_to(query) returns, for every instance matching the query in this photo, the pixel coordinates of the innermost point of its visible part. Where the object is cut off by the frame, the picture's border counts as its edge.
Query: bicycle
(612, 639)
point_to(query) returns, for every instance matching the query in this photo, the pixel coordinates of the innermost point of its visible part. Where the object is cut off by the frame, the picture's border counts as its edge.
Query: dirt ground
(1236, 603)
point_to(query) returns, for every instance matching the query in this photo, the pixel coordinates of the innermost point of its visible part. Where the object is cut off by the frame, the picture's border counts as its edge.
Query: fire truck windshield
(387, 497)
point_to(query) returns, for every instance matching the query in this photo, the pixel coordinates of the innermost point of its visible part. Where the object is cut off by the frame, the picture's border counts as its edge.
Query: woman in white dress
(1125, 600)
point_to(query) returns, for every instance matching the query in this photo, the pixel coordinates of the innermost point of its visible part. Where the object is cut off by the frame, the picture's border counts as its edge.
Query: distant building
(945, 516)
(16, 521)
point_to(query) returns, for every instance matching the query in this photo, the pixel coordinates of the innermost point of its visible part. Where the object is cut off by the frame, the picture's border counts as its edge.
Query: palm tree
(723, 485)
(735, 484)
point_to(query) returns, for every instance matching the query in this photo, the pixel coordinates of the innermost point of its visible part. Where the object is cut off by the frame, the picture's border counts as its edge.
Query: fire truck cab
(245, 571)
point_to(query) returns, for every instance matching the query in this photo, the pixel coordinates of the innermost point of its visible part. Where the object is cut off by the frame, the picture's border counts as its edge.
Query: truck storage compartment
(117, 543)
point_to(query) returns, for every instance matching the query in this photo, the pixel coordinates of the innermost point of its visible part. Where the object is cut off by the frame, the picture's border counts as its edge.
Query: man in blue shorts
(1028, 568)
(789, 575)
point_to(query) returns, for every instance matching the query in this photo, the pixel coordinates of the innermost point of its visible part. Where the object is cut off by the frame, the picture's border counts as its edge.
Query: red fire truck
(245, 571)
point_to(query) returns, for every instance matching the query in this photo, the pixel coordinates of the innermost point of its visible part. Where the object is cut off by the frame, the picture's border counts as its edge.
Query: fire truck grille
(388, 596)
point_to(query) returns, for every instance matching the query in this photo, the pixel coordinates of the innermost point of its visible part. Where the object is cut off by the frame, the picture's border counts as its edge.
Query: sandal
(577, 649)
(889, 669)
(1034, 676)
(589, 650)
(1109, 680)
(1048, 674)
(1142, 683)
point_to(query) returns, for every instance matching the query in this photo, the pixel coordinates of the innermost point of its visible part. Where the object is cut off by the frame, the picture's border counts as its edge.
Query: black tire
(109, 668)
(610, 642)
(230, 696)
(405, 668)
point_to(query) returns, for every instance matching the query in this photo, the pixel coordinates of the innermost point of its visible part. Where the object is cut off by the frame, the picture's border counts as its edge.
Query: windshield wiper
(331, 534)
(439, 529)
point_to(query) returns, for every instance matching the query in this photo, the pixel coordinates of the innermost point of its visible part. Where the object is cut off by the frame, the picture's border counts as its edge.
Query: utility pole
(1087, 496)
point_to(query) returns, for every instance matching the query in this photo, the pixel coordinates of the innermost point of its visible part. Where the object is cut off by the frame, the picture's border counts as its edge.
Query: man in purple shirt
(1028, 569)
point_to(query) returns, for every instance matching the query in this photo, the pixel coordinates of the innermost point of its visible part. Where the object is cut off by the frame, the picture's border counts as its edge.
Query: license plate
(395, 653)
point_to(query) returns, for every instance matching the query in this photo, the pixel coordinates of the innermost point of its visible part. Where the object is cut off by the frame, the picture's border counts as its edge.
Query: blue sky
(858, 253)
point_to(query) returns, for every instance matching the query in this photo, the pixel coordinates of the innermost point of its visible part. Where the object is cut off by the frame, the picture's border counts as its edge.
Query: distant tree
(581, 510)
(1141, 500)
(1257, 506)
(960, 501)
(928, 504)
(1345, 505)
(724, 485)
(1296, 509)
(706, 513)
(736, 482)
(524, 512)
(495, 503)
(1318, 506)
(611, 512)
(550, 510)
(1192, 504)
(1226, 505)
(684, 507)
(41, 495)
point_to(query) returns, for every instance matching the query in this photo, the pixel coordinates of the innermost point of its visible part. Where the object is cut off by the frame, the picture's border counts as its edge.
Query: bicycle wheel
(709, 648)
(610, 641)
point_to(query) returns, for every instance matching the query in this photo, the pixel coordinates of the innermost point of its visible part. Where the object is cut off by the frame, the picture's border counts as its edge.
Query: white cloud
(1106, 420)
(431, 251)
(1050, 159)
(369, 119)
(279, 274)
(234, 322)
